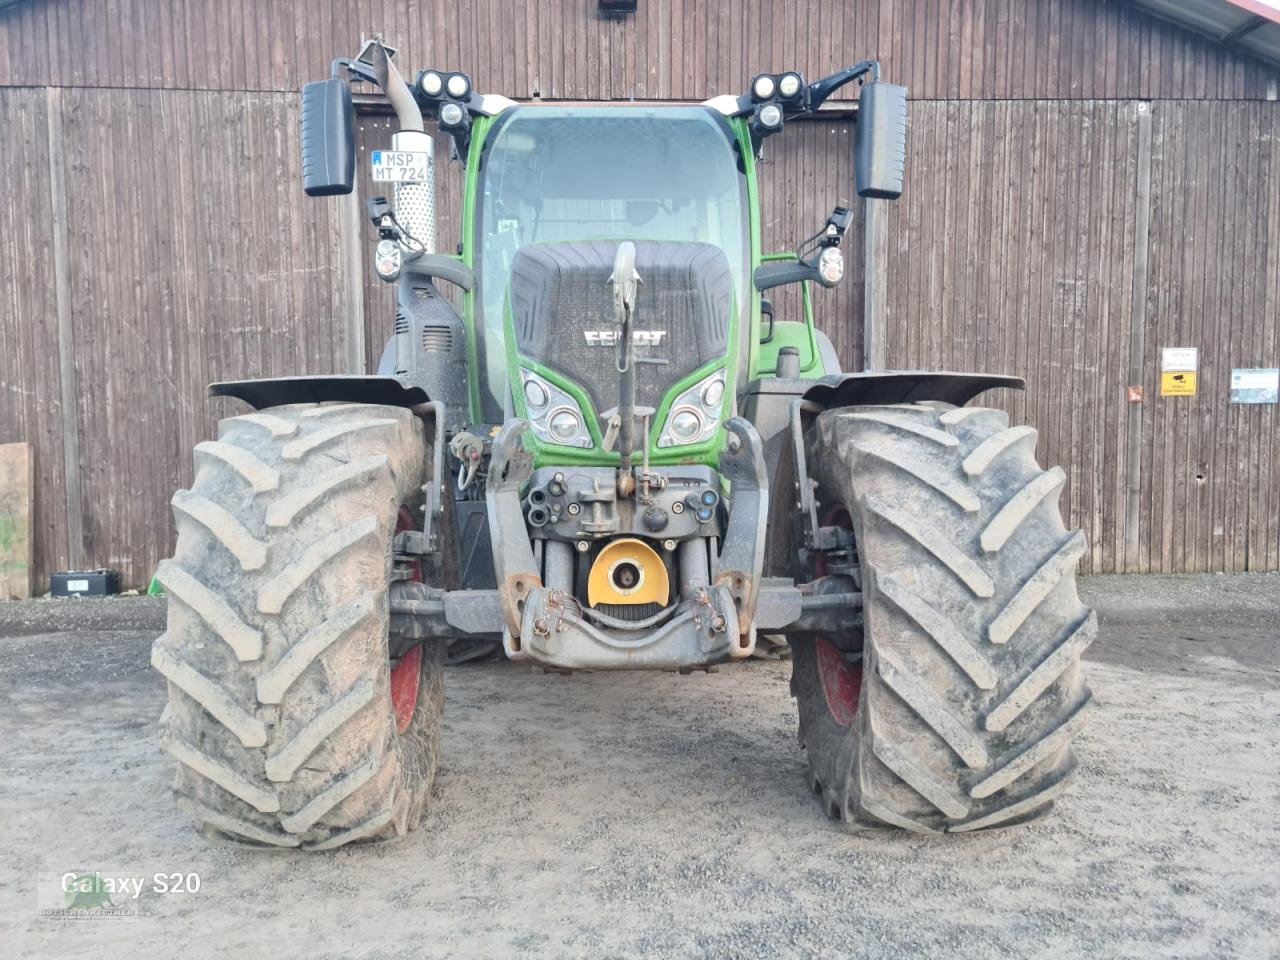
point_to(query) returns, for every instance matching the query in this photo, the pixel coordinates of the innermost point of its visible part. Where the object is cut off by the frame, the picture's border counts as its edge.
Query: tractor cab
(557, 189)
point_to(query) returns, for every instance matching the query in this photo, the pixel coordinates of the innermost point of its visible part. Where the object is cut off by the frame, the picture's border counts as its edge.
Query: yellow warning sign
(1178, 383)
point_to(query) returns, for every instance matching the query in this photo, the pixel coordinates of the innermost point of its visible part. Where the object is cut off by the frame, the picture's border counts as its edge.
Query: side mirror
(880, 140)
(328, 138)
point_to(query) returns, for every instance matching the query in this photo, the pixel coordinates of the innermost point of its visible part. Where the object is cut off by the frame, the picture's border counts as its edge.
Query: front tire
(955, 707)
(290, 725)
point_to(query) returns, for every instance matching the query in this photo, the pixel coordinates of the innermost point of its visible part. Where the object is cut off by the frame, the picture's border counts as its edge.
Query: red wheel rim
(841, 680)
(407, 674)
(404, 687)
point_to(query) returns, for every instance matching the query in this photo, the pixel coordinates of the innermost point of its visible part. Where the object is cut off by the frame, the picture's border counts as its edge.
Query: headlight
(554, 415)
(535, 395)
(431, 83)
(458, 86)
(762, 89)
(565, 425)
(695, 413)
(789, 85)
(450, 115)
(685, 425)
(770, 115)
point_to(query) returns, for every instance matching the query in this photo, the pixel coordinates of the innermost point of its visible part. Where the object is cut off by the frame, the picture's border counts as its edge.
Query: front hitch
(509, 467)
(742, 553)
(557, 631)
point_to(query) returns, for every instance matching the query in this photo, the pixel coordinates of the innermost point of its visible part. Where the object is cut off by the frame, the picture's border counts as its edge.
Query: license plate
(399, 166)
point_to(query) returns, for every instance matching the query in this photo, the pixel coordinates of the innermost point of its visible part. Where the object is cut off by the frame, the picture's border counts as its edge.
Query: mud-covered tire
(281, 713)
(956, 707)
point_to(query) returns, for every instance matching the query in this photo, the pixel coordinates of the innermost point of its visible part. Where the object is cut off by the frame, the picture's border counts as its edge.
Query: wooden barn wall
(30, 382)
(191, 254)
(194, 262)
(180, 274)
(682, 49)
(1013, 251)
(1211, 474)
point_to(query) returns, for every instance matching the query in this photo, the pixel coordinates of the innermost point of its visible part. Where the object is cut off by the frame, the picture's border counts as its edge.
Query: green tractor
(590, 440)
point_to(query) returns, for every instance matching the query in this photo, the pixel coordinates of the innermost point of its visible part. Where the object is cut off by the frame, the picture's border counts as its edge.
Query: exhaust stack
(415, 203)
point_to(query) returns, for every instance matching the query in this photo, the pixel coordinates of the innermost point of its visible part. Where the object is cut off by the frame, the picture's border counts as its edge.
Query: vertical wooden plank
(1269, 495)
(1166, 464)
(1240, 280)
(66, 334)
(354, 263)
(1157, 294)
(874, 284)
(7, 77)
(1137, 343)
(1215, 547)
(17, 507)
(1264, 501)
(676, 80)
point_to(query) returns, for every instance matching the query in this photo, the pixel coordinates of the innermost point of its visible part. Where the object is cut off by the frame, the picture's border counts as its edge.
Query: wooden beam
(17, 502)
(352, 282)
(1243, 30)
(1137, 346)
(875, 250)
(66, 334)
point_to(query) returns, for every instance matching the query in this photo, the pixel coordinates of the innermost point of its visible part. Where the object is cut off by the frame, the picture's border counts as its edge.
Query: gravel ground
(656, 815)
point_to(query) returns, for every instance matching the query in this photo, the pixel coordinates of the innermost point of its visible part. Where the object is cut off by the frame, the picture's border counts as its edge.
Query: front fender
(905, 386)
(277, 391)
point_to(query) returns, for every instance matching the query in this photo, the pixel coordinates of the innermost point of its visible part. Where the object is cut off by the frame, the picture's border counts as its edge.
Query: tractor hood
(560, 311)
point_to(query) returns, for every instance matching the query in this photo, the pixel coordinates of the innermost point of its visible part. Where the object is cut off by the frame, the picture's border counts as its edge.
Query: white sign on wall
(1179, 359)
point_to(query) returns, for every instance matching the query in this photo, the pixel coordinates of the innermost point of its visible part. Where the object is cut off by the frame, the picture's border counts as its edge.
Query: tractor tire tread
(280, 716)
(971, 690)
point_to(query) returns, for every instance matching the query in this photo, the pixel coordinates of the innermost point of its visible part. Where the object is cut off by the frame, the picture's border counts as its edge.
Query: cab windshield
(559, 174)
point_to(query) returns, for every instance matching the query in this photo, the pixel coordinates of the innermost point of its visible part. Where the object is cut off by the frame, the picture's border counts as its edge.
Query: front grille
(630, 612)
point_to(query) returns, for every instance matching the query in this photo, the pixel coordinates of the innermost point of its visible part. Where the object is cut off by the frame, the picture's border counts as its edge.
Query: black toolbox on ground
(84, 583)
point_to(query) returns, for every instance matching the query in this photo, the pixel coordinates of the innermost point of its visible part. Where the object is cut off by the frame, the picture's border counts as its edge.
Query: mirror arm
(824, 88)
(770, 275)
(358, 71)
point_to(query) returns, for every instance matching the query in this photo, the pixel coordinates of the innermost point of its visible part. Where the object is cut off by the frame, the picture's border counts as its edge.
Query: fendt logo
(609, 338)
